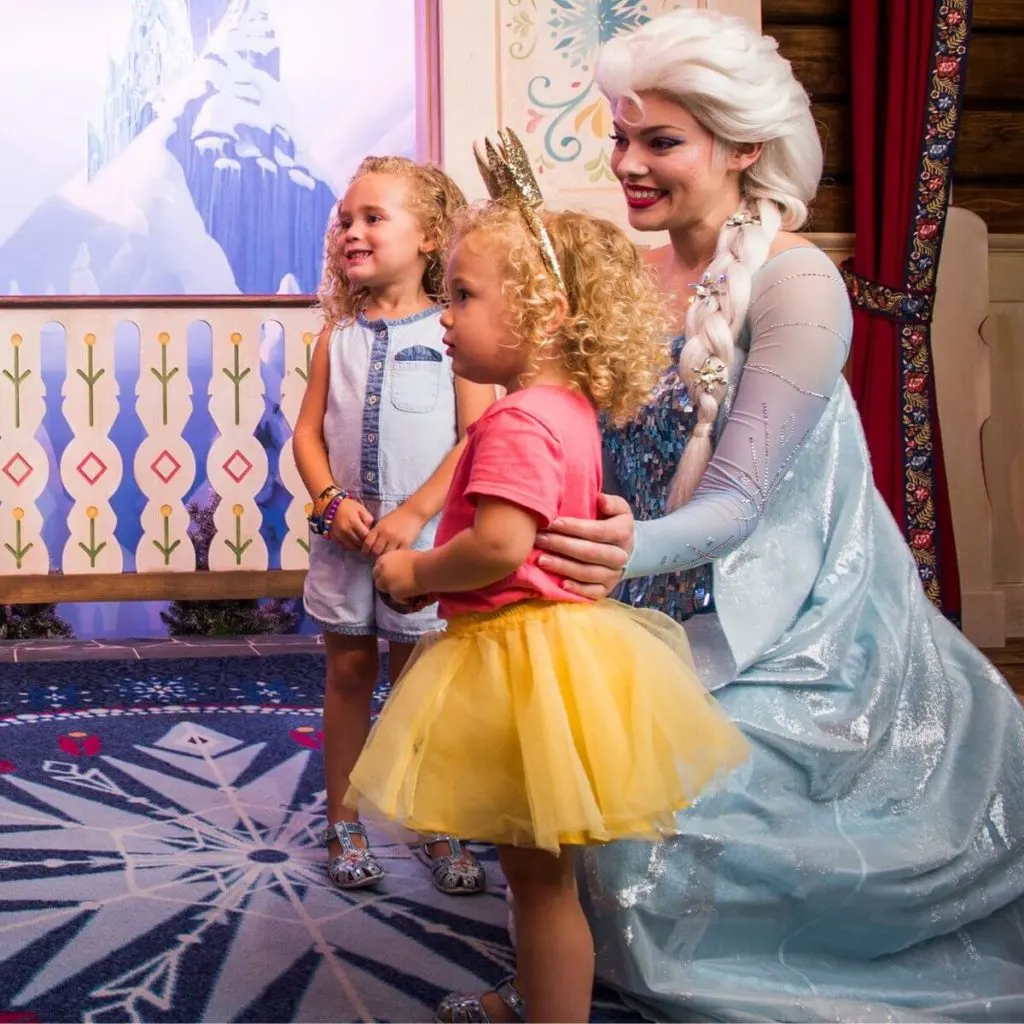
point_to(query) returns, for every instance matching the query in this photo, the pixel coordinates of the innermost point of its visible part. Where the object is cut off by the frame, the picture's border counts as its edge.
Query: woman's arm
(800, 333)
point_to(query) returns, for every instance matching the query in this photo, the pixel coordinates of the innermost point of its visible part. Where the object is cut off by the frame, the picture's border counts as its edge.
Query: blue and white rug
(159, 858)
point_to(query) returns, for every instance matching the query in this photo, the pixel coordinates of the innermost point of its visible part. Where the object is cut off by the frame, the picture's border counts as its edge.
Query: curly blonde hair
(434, 199)
(612, 339)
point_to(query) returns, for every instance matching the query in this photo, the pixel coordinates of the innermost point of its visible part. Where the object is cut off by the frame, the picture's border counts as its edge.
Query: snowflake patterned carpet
(159, 858)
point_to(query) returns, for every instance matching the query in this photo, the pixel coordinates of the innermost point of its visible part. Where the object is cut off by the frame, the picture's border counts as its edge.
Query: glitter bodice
(643, 455)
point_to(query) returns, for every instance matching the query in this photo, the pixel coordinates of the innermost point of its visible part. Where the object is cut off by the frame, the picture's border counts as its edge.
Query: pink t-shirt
(539, 448)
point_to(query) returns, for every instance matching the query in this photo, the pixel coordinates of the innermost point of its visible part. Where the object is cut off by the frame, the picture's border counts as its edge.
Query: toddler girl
(564, 722)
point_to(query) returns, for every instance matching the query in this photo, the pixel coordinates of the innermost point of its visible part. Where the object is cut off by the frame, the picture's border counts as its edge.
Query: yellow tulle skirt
(545, 725)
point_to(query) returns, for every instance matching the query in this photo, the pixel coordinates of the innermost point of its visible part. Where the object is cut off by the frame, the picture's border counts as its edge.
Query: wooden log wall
(988, 176)
(989, 169)
(815, 36)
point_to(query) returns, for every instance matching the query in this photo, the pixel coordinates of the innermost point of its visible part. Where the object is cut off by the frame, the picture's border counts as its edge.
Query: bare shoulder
(321, 350)
(321, 353)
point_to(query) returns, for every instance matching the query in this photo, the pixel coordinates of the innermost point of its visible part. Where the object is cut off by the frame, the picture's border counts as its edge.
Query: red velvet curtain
(908, 64)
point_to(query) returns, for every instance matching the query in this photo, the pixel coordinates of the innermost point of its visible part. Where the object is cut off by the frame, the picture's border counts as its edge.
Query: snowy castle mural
(203, 152)
(159, 50)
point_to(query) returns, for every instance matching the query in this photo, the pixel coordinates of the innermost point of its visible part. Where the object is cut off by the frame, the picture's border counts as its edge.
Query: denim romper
(389, 423)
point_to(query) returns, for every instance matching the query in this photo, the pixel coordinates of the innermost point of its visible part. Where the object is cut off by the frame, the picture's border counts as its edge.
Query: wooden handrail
(151, 586)
(196, 302)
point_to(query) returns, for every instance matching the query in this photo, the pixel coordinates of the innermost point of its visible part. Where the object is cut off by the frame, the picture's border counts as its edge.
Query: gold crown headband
(509, 178)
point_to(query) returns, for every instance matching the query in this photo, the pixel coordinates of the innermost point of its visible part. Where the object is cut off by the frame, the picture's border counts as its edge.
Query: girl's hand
(590, 553)
(394, 575)
(398, 529)
(351, 524)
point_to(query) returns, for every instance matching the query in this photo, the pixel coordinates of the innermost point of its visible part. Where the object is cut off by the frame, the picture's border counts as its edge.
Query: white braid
(712, 325)
(736, 84)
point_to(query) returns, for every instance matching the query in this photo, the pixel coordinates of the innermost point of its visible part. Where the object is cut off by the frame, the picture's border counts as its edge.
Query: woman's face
(673, 175)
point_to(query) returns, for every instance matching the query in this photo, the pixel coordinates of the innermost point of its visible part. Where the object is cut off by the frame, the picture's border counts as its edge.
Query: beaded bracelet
(323, 499)
(321, 524)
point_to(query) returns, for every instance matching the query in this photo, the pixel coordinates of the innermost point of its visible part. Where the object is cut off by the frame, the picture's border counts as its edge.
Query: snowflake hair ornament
(708, 286)
(741, 218)
(510, 181)
(711, 377)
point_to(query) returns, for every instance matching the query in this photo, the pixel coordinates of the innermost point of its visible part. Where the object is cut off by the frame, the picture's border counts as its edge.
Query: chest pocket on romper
(416, 378)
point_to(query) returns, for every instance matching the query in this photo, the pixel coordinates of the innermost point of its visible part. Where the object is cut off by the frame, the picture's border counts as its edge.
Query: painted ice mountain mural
(143, 178)
(252, 182)
(224, 133)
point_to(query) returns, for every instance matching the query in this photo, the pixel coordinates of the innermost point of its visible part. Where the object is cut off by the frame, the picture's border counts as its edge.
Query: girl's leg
(554, 947)
(398, 657)
(460, 872)
(351, 674)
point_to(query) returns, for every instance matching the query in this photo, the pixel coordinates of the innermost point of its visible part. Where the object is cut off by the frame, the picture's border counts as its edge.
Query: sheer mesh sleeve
(800, 328)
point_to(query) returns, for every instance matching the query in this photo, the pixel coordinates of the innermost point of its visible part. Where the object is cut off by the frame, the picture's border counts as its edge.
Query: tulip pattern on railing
(91, 482)
(24, 467)
(164, 464)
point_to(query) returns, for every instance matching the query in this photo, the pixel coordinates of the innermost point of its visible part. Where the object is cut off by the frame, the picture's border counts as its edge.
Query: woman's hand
(590, 553)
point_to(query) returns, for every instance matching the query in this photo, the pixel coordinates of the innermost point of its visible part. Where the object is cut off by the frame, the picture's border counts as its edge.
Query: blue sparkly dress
(640, 459)
(868, 862)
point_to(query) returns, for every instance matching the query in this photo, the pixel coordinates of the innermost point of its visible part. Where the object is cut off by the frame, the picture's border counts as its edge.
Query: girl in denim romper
(376, 443)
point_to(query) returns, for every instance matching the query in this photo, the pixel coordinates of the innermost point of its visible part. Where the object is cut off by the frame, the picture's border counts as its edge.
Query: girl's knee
(352, 665)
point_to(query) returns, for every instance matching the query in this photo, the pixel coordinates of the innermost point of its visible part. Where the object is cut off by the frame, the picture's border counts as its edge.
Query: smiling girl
(376, 443)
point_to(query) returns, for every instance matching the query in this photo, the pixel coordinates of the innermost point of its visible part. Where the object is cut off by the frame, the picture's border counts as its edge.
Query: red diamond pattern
(92, 467)
(166, 466)
(237, 466)
(18, 469)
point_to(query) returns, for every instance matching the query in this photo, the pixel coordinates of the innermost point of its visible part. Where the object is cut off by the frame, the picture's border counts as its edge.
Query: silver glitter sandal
(355, 867)
(460, 1009)
(456, 873)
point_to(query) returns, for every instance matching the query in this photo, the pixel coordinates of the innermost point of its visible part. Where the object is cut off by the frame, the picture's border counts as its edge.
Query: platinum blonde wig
(736, 84)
